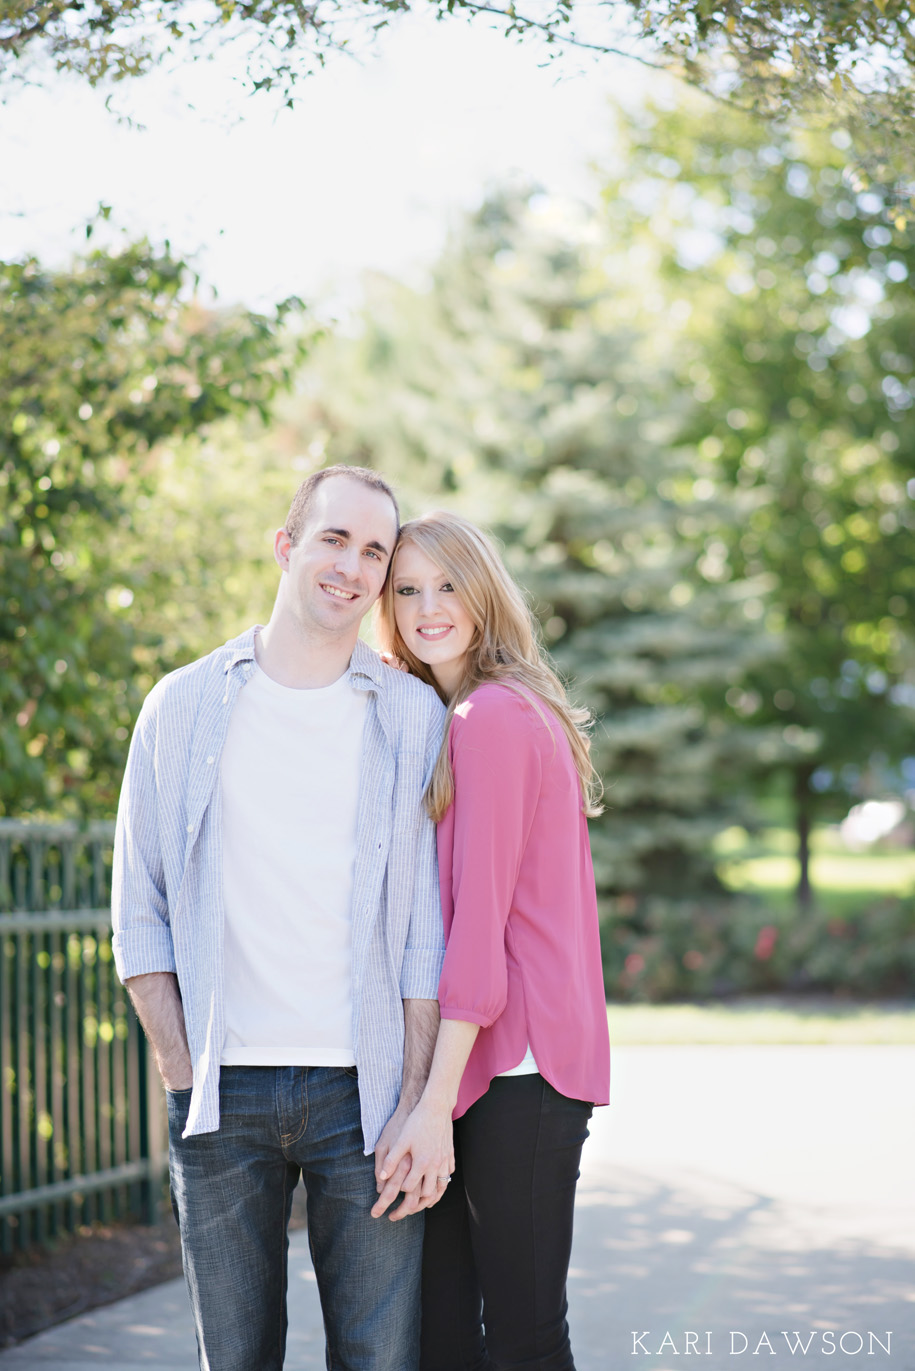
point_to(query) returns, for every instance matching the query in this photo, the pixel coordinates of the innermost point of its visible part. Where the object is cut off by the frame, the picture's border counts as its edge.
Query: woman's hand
(390, 660)
(426, 1144)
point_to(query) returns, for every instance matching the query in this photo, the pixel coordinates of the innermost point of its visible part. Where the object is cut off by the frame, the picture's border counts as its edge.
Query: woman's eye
(448, 586)
(405, 590)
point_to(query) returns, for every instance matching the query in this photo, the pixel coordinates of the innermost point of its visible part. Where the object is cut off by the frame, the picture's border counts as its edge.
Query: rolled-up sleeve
(497, 765)
(425, 947)
(142, 939)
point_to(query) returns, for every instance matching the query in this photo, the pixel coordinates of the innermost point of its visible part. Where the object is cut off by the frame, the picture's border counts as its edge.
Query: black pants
(497, 1245)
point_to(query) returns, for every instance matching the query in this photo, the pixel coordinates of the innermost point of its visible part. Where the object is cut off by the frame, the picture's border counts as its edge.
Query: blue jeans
(232, 1197)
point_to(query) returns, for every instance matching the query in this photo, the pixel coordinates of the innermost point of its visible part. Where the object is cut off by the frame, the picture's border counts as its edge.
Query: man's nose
(347, 562)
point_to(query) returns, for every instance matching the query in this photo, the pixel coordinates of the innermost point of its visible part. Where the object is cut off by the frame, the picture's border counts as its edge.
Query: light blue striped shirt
(167, 904)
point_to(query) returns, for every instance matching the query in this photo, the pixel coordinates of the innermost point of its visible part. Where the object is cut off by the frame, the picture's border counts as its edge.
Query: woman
(522, 1051)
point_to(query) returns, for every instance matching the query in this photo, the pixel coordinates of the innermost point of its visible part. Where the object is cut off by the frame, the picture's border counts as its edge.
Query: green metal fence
(81, 1119)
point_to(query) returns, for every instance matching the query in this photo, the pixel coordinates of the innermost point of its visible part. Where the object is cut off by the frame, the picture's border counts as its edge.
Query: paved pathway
(732, 1193)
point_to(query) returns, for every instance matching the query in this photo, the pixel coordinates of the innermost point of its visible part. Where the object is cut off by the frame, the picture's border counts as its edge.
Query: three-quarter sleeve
(496, 758)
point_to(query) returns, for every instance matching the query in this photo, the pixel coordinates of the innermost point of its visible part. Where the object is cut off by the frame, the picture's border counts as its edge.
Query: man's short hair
(304, 497)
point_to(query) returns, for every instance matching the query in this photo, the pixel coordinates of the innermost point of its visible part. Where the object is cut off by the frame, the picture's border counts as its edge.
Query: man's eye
(370, 552)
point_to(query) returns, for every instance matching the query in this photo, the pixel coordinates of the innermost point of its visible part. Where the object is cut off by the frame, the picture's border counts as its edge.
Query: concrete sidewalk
(736, 1194)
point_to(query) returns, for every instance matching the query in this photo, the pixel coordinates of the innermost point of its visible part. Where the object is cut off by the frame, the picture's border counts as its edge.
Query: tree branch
(519, 21)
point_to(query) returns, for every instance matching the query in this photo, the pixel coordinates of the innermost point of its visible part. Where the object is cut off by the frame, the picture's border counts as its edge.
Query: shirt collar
(364, 662)
(241, 649)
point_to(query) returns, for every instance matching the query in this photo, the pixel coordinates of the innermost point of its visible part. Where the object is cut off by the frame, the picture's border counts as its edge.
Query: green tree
(100, 364)
(853, 60)
(524, 385)
(795, 347)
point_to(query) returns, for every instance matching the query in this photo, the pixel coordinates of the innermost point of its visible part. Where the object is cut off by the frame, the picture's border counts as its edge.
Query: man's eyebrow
(345, 533)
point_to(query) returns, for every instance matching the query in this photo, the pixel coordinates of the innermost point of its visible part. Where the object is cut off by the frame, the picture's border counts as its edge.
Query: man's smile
(338, 591)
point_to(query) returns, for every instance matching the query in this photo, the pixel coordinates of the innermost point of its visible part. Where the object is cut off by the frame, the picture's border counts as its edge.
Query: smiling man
(277, 925)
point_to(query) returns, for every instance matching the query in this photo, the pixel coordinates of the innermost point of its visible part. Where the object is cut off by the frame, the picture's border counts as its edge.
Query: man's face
(337, 568)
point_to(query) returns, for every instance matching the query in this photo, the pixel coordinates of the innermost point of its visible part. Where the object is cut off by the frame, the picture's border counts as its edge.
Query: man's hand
(419, 1162)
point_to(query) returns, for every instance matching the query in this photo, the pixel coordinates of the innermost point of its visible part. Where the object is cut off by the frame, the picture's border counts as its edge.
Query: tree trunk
(802, 818)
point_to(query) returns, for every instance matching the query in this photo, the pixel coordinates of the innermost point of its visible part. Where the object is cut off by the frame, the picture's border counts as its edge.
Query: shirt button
(210, 761)
(190, 828)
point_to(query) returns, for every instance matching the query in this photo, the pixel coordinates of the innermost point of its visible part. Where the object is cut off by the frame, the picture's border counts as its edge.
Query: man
(277, 925)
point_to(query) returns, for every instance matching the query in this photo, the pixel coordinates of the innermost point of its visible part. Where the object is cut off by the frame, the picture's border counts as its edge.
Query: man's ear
(282, 546)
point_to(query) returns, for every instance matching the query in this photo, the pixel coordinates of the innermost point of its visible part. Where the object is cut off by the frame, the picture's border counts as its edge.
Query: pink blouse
(523, 956)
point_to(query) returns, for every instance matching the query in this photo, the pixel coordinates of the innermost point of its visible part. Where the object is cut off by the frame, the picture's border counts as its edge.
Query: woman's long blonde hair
(505, 648)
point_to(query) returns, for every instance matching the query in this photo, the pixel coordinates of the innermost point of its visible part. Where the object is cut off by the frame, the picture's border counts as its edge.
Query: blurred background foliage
(687, 409)
(103, 365)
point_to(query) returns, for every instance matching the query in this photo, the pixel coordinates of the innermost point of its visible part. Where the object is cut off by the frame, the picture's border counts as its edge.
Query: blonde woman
(522, 1052)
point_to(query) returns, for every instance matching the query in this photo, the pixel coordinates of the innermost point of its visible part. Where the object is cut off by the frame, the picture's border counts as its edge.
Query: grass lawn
(842, 881)
(763, 1019)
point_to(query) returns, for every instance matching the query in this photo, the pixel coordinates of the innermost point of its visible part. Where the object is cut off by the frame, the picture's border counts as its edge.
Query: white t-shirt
(526, 1067)
(290, 789)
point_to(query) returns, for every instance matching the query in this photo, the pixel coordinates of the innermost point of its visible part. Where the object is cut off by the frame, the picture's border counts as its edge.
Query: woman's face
(430, 617)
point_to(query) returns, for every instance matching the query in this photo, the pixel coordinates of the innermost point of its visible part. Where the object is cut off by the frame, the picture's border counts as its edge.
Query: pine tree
(523, 384)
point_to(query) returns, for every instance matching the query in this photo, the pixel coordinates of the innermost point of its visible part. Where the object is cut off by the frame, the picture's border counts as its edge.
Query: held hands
(415, 1156)
(415, 1153)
